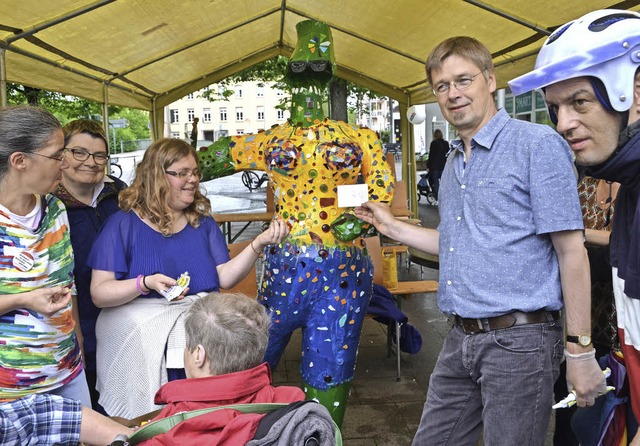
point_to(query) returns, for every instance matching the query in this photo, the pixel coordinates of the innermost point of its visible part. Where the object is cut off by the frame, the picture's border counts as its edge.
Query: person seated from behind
(227, 336)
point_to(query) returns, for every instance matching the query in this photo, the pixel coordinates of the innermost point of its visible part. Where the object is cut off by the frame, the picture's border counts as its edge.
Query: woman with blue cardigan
(90, 197)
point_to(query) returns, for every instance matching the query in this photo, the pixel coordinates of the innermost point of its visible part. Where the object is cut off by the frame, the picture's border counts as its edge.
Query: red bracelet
(138, 285)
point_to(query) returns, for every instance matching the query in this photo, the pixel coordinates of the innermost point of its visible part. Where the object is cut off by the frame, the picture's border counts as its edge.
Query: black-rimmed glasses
(83, 155)
(461, 84)
(185, 175)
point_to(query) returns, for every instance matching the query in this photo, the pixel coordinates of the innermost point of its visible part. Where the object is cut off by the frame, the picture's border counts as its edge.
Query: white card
(352, 195)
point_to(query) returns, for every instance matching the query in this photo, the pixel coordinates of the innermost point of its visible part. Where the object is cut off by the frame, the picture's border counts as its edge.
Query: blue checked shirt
(496, 213)
(40, 419)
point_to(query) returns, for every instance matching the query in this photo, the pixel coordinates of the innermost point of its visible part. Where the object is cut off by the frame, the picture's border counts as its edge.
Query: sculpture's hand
(215, 161)
(348, 226)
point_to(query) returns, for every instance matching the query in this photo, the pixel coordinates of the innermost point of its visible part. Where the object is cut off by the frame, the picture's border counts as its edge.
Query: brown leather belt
(484, 325)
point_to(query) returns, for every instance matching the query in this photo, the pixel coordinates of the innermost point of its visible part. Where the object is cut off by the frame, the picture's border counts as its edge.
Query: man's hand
(584, 376)
(377, 214)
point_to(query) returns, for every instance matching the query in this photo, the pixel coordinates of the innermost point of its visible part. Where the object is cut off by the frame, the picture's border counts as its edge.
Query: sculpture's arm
(228, 155)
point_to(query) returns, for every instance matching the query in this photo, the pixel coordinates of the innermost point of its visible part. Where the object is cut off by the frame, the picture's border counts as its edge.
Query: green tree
(274, 70)
(67, 108)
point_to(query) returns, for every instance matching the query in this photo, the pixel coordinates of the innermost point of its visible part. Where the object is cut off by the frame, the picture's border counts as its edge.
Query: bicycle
(425, 189)
(115, 169)
(252, 181)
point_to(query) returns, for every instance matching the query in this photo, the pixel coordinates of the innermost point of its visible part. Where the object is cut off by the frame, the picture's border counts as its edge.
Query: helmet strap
(601, 92)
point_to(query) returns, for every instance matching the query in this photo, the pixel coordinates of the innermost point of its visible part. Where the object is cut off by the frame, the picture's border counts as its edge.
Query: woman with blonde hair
(164, 229)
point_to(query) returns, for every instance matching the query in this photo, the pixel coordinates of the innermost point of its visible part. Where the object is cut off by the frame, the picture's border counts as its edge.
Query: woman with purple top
(164, 229)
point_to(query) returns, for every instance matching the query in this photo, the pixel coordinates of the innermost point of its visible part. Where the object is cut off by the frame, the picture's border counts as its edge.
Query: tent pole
(3, 78)
(158, 120)
(105, 114)
(152, 120)
(408, 157)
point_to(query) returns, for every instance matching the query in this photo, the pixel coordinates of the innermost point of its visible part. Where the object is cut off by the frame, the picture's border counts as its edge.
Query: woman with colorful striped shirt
(40, 352)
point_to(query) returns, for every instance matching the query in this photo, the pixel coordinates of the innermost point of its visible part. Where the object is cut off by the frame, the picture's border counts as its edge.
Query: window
(260, 113)
(239, 131)
(260, 91)
(174, 117)
(280, 114)
(223, 114)
(190, 96)
(239, 114)
(190, 114)
(238, 92)
(175, 134)
(206, 115)
(279, 93)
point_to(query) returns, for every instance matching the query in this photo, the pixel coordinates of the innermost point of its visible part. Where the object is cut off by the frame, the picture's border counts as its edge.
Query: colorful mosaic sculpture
(320, 278)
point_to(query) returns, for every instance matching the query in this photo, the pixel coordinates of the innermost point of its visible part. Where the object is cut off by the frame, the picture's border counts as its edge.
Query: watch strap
(583, 339)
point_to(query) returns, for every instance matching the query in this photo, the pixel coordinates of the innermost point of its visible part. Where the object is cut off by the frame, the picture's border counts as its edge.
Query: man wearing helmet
(511, 254)
(593, 94)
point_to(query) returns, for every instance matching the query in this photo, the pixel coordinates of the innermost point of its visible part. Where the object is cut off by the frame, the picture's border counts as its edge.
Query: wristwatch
(120, 440)
(583, 339)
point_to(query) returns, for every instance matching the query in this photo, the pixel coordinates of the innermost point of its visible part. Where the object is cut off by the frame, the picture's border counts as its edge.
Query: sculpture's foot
(334, 399)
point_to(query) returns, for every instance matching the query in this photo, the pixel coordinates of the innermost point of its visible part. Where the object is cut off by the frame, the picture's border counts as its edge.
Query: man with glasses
(511, 249)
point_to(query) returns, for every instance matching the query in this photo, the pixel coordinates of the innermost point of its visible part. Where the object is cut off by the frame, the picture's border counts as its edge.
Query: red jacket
(223, 427)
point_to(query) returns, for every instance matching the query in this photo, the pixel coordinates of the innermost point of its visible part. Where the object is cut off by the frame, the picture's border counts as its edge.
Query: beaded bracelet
(138, 285)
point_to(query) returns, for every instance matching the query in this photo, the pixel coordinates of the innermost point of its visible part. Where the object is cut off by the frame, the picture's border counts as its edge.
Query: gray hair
(24, 129)
(232, 328)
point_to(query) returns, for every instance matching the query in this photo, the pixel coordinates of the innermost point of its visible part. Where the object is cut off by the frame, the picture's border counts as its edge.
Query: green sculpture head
(312, 59)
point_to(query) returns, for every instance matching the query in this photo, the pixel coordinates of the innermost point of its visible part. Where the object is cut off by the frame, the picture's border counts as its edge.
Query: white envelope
(352, 195)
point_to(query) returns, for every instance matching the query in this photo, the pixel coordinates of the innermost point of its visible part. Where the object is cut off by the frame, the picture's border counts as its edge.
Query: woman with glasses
(90, 197)
(164, 230)
(39, 350)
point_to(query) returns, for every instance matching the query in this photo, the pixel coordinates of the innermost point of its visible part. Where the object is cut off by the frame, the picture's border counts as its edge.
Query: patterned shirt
(40, 419)
(594, 216)
(38, 353)
(496, 215)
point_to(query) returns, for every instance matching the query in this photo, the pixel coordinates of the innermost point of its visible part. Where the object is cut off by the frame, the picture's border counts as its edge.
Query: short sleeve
(554, 191)
(109, 251)
(217, 244)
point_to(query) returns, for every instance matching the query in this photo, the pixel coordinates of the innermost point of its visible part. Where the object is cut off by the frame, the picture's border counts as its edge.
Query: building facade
(251, 108)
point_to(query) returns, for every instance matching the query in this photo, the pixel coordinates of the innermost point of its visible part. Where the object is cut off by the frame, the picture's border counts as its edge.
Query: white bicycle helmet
(604, 44)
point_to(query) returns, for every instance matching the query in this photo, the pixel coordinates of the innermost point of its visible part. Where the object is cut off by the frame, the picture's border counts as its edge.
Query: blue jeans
(77, 389)
(502, 380)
